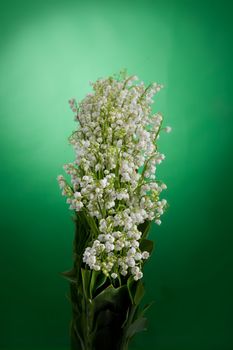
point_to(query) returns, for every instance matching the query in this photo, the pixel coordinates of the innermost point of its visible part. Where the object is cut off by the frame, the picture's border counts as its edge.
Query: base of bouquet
(106, 313)
(108, 317)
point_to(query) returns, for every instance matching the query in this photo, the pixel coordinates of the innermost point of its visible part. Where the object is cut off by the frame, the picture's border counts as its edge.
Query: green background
(49, 51)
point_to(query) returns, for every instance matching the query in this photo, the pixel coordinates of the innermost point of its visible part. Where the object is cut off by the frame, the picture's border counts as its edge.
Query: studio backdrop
(49, 51)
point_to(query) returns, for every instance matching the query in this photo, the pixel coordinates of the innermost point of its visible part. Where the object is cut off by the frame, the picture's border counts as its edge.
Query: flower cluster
(113, 177)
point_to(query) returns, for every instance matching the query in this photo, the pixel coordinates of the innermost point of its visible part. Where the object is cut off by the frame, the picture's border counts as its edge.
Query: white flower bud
(130, 262)
(168, 129)
(145, 255)
(105, 175)
(158, 222)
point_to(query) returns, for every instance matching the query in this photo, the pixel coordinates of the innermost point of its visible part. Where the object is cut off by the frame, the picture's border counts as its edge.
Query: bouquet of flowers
(115, 196)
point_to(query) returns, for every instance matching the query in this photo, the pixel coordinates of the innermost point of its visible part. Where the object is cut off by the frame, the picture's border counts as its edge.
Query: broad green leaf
(126, 318)
(141, 313)
(109, 337)
(110, 307)
(144, 228)
(147, 245)
(140, 290)
(76, 299)
(86, 276)
(136, 290)
(101, 280)
(131, 285)
(113, 298)
(104, 319)
(146, 307)
(97, 280)
(76, 333)
(70, 275)
(138, 325)
(94, 276)
(108, 331)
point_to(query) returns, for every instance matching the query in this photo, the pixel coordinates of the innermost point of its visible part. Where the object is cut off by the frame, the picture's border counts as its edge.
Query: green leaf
(142, 312)
(126, 318)
(76, 335)
(105, 318)
(76, 299)
(97, 280)
(70, 275)
(101, 280)
(140, 291)
(131, 285)
(147, 245)
(146, 307)
(136, 290)
(108, 333)
(116, 299)
(86, 276)
(138, 325)
(109, 308)
(144, 228)
(94, 276)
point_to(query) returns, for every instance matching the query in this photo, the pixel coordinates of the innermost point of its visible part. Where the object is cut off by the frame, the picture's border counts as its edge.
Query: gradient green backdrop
(50, 50)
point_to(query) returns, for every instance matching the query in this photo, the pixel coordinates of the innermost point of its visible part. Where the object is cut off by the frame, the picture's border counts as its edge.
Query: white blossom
(113, 176)
(145, 255)
(168, 129)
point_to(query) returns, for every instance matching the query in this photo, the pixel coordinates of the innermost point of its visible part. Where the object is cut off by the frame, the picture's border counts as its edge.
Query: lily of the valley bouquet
(115, 196)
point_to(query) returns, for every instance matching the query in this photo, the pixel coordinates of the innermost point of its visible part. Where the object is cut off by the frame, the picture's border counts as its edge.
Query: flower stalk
(115, 196)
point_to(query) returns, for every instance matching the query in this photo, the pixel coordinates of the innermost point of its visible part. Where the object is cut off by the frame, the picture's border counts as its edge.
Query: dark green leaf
(126, 318)
(142, 312)
(70, 275)
(76, 335)
(101, 280)
(131, 285)
(147, 245)
(138, 325)
(146, 307)
(139, 293)
(97, 280)
(94, 275)
(144, 228)
(86, 276)
(105, 318)
(136, 290)
(113, 298)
